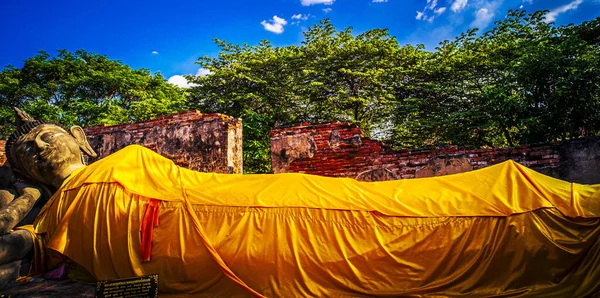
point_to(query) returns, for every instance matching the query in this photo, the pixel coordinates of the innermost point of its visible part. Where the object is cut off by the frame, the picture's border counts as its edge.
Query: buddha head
(45, 151)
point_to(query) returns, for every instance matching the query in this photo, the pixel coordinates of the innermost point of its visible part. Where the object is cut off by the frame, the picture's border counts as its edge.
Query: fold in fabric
(149, 221)
(502, 230)
(38, 262)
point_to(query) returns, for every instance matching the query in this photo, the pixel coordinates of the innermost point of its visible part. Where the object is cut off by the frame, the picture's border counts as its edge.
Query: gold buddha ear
(79, 135)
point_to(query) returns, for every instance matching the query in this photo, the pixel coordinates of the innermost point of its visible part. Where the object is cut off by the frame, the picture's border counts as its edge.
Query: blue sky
(169, 36)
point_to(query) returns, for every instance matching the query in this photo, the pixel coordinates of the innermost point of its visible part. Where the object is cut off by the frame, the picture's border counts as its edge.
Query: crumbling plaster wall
(213, 143)
(201, 142)
(2, 153)
(340, 150)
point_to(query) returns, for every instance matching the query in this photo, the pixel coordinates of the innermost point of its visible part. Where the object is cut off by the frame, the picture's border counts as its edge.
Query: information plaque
(135, 287)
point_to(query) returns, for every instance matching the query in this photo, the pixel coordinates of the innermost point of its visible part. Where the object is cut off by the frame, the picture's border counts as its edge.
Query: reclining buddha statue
(504, 230)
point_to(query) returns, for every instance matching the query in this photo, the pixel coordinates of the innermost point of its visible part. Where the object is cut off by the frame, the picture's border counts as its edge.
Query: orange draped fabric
(503, 230)
(39, 254)
(149, 221)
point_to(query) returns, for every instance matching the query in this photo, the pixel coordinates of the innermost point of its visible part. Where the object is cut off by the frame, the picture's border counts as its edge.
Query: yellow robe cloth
(502, 230)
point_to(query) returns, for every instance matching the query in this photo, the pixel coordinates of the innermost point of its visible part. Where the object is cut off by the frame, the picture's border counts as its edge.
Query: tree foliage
(85, 89)
(332, 75)
(523, 81)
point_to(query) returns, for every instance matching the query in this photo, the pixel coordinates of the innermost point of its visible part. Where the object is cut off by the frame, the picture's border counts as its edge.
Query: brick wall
(201, 142)
(213, 142)
(340, 150)
(2, 153)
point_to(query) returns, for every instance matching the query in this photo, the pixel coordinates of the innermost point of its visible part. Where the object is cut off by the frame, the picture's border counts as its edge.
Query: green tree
(86, 89)
(523, 81)
(332, 75)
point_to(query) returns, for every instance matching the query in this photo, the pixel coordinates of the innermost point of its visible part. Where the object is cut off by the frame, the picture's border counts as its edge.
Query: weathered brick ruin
(340, 150)
(213, 143)
(201, 142)
(2, 153)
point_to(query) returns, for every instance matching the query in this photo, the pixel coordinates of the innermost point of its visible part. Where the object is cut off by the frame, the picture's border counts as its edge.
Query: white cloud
(419, 15)
(432, 5)
(551, 16)
(326, 10)
(154, 53)
(275, 25)
(485, 11)
(379, 1)
(458, 5)
(300, 17)
(181, 81)
(430, 11)
(483, 17)
(313, 2)
(202, 72)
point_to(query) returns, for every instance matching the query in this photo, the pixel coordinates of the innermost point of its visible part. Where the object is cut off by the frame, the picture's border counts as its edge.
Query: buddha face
(48, 152)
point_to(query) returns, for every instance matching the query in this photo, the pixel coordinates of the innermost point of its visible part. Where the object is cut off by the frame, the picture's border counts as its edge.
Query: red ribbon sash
(149, 221)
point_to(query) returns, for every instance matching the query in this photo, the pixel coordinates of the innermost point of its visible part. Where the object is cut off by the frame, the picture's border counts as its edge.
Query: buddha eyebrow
(56, 134)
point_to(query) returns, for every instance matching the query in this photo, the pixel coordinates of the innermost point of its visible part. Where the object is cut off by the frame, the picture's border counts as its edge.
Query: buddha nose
(40, 143)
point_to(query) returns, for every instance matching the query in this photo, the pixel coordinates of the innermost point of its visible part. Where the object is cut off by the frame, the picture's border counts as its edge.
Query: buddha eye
(26, 148)
(47, 136)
